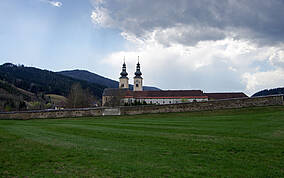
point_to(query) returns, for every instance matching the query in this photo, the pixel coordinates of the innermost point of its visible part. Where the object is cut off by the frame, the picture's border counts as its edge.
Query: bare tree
(78, 97)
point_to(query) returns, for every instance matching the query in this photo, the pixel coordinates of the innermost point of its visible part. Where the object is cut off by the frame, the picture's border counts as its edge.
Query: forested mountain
(43, 81)
(90, 77)
(266, 92)
(97, 79)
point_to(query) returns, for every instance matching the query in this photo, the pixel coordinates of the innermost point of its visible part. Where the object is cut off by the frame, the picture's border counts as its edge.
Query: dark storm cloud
(197, 20)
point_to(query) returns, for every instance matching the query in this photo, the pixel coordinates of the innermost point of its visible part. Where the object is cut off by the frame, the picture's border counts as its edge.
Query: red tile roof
(166, 94)
(226, 95)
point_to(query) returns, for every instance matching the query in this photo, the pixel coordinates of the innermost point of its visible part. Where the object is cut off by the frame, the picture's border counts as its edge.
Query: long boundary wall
(203, 106)
(45, 114)
(132, 110)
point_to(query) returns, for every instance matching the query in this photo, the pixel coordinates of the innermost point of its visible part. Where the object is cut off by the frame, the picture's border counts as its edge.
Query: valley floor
(229, 143)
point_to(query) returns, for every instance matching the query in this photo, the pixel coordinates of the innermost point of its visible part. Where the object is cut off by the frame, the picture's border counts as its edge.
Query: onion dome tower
(123, 80)
(138, 86)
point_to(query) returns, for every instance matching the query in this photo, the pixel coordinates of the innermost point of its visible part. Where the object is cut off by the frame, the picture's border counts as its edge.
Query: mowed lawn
(230, 143)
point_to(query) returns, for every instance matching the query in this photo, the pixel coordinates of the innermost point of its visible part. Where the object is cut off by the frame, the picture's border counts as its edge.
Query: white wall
(164, 100)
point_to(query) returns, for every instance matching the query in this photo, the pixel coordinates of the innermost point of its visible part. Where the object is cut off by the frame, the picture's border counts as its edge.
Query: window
(122, 85)
(137, 85)
(170, 102)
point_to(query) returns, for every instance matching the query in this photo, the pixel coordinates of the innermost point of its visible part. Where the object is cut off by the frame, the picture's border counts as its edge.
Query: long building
(123, 95)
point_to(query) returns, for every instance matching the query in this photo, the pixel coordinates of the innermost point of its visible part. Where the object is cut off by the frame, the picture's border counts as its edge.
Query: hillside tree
(79, 97)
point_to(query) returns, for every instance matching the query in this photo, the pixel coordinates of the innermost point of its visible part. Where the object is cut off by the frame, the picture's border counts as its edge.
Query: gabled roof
(115, 91)
(226, 95)
(154, 94)
(166, 94)
(126, 93)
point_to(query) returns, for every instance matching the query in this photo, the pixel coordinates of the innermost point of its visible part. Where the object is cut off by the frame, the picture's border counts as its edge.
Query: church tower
(123, 80)
(138, 79)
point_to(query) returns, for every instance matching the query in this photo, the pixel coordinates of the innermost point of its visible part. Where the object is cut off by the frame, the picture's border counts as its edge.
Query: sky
(212, 45)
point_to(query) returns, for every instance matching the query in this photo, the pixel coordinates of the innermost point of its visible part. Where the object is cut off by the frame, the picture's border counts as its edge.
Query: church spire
(123, 73)
(138, 72)
(123, 80)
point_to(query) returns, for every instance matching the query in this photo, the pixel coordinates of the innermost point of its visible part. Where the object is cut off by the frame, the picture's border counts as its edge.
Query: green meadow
(228, 143)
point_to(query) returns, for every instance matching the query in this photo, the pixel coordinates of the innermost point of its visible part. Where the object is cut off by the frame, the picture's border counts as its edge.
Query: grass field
(230, 143)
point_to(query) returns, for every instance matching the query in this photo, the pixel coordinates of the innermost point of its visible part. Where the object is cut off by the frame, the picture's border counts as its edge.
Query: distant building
(154, 97)
(122, 95)
(219, 96)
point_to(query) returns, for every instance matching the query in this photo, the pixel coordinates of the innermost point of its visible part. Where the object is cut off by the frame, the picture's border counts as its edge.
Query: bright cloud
(53, 3)
(57, 4)
(260, 80)
(236, 45)
(100, 16)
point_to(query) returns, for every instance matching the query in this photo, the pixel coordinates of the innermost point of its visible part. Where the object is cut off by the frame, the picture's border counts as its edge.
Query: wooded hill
(16, 99)
(43, 81)
(266, 92)
(23, 88)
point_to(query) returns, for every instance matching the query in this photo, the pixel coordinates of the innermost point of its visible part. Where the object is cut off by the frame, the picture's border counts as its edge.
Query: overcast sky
(212, 45)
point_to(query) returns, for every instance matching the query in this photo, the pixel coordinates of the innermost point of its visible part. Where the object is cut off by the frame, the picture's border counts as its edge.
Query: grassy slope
(57, 99)
(231, 143)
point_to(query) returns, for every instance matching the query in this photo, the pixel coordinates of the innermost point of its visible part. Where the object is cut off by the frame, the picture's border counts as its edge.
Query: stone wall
(202, 106)
(131, 110)
(25, 115)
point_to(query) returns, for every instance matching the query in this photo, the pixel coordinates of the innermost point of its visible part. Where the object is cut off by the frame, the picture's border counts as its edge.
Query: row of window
(164, 101)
